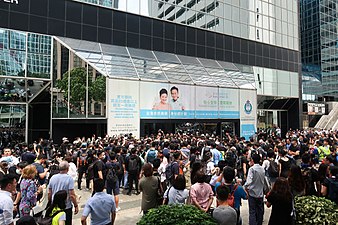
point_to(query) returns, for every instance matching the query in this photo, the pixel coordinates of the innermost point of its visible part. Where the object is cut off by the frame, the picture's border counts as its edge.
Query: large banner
(248, 113)
(228, 103)
(206, 103)
(123, 108)
(154, 100)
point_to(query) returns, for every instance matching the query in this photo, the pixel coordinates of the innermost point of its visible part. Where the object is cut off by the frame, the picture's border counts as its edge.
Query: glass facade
(319, 48)
(25, 63)
(269, 21)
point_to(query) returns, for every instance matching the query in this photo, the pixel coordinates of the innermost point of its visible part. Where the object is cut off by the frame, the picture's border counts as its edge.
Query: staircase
(329, 122)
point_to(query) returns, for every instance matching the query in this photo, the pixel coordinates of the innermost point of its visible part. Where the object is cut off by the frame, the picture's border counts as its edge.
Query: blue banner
(229, 114)
(247, 130)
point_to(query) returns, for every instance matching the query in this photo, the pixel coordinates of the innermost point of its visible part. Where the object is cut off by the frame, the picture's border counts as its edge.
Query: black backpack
(169, 171)
(309, 182)
(47, 220)
(333, 190)
(133, 165)
(273, 170)
(111, 177)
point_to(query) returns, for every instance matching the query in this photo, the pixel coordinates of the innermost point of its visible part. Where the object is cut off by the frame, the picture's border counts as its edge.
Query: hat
(84, 145)
(64, 139)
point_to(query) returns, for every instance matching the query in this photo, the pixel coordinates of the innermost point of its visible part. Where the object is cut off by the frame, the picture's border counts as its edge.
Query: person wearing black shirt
(29, 156)
(133, 166)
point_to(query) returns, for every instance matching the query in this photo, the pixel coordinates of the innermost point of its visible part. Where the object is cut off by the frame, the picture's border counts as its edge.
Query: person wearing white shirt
(175, 102)
(8, 186)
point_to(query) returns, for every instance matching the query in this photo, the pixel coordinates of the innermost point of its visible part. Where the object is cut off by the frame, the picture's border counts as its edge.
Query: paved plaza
(130, 212)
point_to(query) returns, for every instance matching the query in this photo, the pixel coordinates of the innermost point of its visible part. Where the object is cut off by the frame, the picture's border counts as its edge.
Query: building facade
(319, 53)
(78, 53)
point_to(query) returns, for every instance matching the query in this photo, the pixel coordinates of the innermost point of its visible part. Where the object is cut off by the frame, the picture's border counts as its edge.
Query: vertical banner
(228, 103)
(181, 100)
(248, 113)
(206, 103)
(154, 100)
(123, 107)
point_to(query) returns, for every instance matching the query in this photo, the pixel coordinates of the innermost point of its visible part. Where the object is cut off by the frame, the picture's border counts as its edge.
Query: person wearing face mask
(100, 169)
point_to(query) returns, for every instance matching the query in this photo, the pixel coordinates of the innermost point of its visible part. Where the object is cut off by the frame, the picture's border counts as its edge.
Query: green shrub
(315, 210)
(176, 215)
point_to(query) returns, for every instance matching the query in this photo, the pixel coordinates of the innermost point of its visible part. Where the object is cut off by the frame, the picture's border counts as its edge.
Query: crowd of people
(212, 173)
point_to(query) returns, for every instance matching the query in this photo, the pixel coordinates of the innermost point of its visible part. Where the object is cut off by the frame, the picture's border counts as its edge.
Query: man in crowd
(101, 207)
(8, 187)
(224, 214)
(133, 166)
(82, 165)
(63, 181)
(255, 187)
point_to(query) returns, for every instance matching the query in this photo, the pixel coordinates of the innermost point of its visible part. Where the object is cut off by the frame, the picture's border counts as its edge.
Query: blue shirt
(100, 206)
(216, 156)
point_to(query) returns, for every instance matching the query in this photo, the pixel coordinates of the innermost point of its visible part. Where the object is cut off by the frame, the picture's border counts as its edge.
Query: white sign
(248, 113)
(12, 1)
(123, 107)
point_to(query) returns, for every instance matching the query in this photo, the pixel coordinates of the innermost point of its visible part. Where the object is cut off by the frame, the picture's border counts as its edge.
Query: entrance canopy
(145, 65)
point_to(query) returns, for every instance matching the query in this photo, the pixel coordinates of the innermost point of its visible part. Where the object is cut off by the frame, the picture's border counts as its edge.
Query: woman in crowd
(56, 209)
(284, 163)
(149, 185)
(28, 190)
(176, 194)
(296, 181)
(201, 193)
(280, 198)
(323, 173)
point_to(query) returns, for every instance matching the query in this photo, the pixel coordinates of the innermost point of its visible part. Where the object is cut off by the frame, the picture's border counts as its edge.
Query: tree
(98, 89)
(78, 83)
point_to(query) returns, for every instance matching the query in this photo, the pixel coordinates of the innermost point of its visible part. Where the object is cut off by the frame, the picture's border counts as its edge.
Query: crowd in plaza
(196, 169)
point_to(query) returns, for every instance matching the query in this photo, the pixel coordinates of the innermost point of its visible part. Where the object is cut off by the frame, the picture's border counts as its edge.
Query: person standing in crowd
(201, 193)
(29, 156)
(57, 209)
(280, 198)
(28, 190)
(121, 161)
(41, 171)
(100, 206)
(177, 193)
(8, 186)
(255, 187)
(133, 165)
(296, 181)
(224, 214)
(330, 185)
(9, 158)
(284, 163)
(82, 165)
(149, 185)
(63, 181)
(151, 154)
(99, 168)
(173, 168)
(112, 182)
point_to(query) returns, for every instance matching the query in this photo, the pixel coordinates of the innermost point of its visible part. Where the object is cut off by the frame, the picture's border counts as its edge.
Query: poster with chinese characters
(228, 103)
(206, 103)
(154, 100)
(248, 113)
(123, 107)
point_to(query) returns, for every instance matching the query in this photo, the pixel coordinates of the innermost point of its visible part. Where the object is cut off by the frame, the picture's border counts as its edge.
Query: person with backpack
(82, 165)
(236, 191)
(173, 169)
(112, 182)
(151, 154)
(224, 214)
(271, 167)
(133, 166)
(330, 185)
(57, 210)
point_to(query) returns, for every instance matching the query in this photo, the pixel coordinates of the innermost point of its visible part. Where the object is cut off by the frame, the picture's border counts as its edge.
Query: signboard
(11, 1)
(123, 107)
(228, 103)
(315, 108)
(248, 113)
(206, 103)
(154, 100)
